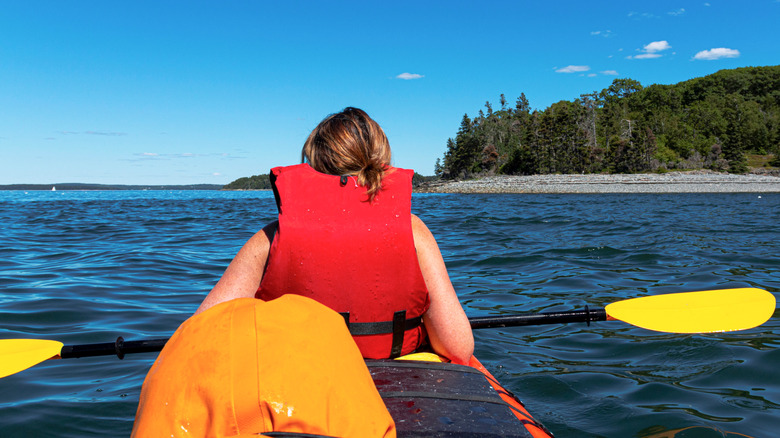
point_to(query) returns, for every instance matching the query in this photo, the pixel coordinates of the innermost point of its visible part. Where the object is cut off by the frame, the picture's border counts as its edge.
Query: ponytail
(350, 143)
(371, 177)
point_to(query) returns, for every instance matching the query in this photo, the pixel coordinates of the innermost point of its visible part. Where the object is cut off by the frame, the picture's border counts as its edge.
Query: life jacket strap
(398, 333)
(398, 326)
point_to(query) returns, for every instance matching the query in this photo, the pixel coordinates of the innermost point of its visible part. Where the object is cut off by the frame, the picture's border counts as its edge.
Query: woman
(346, 237)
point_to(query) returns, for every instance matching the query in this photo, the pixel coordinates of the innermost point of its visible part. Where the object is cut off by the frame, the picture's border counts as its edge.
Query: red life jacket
(352, 255)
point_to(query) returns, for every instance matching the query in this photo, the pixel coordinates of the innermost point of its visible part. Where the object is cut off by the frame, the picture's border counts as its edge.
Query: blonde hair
(349, 143)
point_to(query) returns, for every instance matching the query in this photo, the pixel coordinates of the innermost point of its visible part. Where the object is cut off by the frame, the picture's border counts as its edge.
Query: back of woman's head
(349, 143)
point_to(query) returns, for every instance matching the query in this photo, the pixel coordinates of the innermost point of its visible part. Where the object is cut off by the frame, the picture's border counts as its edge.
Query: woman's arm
(243, 275)
(445, 321)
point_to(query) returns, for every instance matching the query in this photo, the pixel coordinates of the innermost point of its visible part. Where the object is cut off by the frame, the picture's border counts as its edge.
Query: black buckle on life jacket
(399, 318)
(346, 319)
(398, 326)
(343, 181)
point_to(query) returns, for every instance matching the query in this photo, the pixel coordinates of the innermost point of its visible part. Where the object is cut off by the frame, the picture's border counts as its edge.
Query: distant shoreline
(671, 182)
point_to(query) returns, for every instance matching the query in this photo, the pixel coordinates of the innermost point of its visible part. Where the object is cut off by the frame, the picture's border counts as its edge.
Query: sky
(190, 92)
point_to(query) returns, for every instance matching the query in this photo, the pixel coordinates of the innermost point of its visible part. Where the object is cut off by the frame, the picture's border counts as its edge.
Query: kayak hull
(444, 399)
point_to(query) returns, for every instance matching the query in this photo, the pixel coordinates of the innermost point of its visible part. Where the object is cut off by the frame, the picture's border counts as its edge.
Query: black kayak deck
(429, 399)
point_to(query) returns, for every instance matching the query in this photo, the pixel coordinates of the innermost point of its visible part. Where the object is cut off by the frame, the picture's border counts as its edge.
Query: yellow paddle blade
(722, 310)
(19, 354)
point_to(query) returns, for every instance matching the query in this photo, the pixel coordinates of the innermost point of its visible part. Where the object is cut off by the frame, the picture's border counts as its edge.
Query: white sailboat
(53, 189)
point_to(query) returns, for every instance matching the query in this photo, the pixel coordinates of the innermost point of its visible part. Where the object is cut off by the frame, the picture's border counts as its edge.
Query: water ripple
(85, 267)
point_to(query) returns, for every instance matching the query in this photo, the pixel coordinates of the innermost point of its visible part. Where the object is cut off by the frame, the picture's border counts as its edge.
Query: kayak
(290, 368)
(427, 397)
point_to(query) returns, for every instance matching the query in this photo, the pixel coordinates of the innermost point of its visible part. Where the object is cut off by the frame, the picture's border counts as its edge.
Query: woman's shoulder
(422, 235)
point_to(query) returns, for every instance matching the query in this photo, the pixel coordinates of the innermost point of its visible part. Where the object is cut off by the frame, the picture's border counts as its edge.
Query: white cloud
(604, 33)
(151, 156)
(651, 50)
(409, 76)
(677, 12)
(573, 69)
(633, 14)
(657, 46)
(610, 72)
(645, 56)
(718, 53)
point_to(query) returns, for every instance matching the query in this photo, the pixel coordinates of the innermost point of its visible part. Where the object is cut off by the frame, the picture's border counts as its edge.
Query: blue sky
(175, 92)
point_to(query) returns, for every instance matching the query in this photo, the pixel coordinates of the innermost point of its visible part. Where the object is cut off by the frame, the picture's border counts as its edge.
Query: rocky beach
(671, 182)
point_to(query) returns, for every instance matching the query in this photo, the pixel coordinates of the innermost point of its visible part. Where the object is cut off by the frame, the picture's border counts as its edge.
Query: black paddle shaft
(120, 348)
(585, 315)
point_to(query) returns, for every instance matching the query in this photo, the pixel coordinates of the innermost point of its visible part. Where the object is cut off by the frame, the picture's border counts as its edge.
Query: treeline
(255, 182)
(709, 122)
(262, 182)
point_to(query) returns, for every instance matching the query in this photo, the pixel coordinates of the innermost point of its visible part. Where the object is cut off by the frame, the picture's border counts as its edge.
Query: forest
(711, 122)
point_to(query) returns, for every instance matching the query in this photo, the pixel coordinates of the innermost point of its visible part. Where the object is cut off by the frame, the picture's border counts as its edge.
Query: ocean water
(84, 267)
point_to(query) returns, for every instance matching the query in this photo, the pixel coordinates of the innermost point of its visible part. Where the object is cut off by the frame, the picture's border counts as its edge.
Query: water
(83, 267)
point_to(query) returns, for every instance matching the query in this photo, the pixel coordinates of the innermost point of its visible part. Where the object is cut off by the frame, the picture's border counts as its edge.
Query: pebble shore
(671, 182)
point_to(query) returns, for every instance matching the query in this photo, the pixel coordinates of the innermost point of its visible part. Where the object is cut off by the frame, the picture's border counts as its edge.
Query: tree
(463, 152)
(615, 105)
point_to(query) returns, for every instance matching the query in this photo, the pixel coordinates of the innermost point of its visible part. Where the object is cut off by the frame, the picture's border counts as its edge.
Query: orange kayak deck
(443, 399)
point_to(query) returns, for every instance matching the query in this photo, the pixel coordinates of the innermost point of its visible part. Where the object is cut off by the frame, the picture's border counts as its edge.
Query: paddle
(691, 312)
(722, 310)
(19, 354)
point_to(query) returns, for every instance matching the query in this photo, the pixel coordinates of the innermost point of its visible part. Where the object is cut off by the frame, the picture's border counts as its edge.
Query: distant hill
(255, 182)
(82, 186)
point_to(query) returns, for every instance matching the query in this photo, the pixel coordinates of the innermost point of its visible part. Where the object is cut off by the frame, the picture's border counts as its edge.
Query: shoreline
(670, 182)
